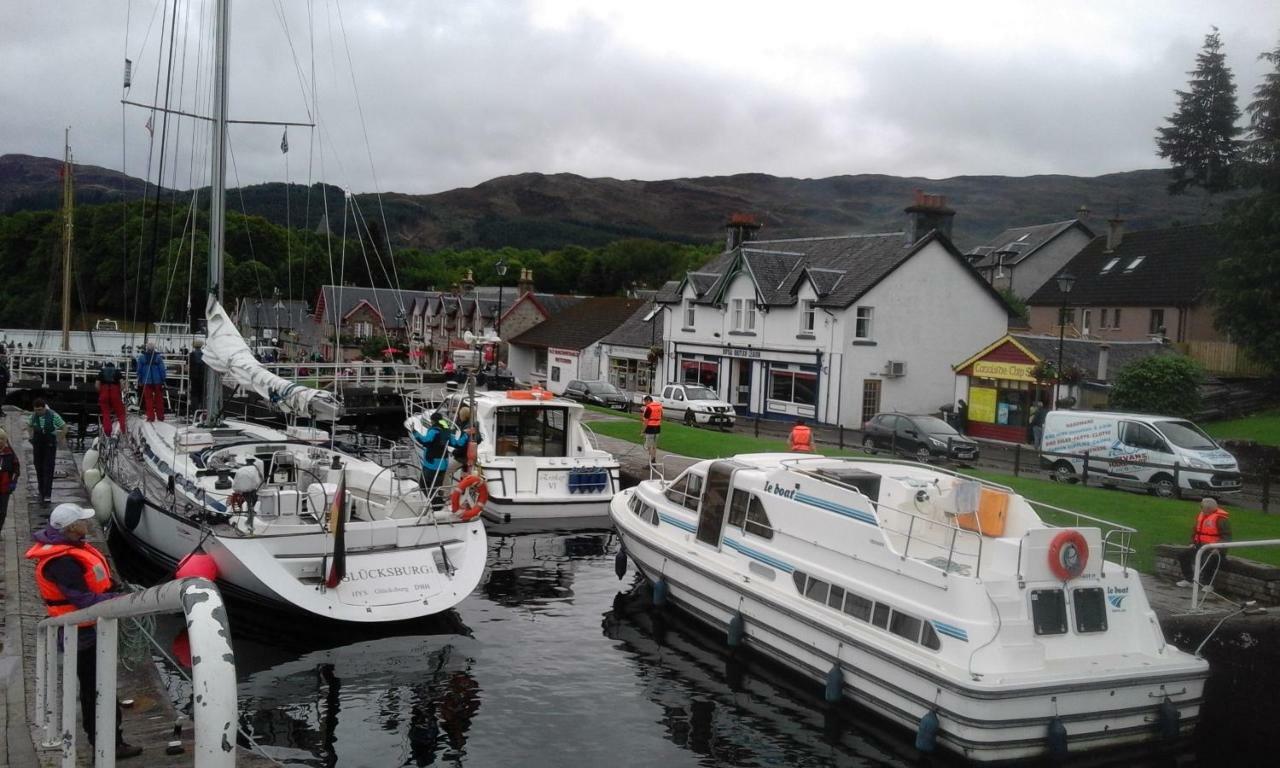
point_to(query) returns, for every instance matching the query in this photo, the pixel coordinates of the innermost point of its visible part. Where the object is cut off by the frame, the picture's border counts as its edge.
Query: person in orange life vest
(651, 417)
(1212, 525)
(110, 401)
(72, 574)
(801, 438)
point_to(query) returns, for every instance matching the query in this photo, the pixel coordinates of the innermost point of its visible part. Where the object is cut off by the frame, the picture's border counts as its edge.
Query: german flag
(337, 566)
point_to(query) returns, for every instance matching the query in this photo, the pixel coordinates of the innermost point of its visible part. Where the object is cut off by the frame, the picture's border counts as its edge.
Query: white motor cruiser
(537, 457)
(942, 602)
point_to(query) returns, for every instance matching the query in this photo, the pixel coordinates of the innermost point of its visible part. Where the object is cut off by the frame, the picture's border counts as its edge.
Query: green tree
(1017, 305)
(1262, 149)
(1200, 139)
(1168, 385)
(1246, 287)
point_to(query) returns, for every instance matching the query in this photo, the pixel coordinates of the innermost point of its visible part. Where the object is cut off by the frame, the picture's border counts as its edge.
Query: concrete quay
(149, 723)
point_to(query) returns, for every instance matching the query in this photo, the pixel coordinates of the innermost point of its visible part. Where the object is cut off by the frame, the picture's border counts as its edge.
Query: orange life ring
(530, 394)
(479, 496)
(1068, 555)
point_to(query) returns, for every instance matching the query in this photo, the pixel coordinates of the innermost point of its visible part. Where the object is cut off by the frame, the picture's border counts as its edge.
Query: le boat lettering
(777, 490)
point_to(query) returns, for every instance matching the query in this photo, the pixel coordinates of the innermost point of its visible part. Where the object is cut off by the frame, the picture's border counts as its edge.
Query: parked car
(696, 404)
(1138, 451)
(921, 437)
(597, 393)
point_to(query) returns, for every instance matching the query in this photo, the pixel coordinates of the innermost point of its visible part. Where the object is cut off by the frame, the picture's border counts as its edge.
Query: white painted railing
(1195, 582)
(213, 671)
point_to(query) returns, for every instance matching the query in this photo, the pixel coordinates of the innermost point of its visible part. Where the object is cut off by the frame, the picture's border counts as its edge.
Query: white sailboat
(328, 535)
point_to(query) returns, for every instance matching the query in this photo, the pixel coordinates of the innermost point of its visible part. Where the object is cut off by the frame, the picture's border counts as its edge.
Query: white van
(1136, 450)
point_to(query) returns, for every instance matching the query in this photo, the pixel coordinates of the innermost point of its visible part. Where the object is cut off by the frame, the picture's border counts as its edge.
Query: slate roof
(1083, 353)
(843, 268)
(1174, 270)
(581, 325)
(387, 301)
(254, 312)
(1020, 242)
(635, 331)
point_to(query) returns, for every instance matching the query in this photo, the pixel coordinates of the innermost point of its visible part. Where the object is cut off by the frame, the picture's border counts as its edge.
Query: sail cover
(226, 353)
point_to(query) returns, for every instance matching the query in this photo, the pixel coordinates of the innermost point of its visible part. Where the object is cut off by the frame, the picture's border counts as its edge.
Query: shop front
(770, 382)
(998, 388)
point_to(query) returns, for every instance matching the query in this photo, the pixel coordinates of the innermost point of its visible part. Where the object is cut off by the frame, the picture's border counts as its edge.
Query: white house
(566, 346)
(832, 329)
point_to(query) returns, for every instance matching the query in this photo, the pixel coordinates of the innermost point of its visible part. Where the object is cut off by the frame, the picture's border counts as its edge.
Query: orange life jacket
(801, 439)
(1207, 526)
(653, 414)
(97, 574)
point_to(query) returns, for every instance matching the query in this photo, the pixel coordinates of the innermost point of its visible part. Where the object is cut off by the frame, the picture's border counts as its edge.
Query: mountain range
(548, 211)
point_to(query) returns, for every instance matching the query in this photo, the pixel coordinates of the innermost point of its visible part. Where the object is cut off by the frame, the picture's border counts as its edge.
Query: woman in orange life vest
(1212, 526)
(651, 417)
(801, 438)
(72, 574)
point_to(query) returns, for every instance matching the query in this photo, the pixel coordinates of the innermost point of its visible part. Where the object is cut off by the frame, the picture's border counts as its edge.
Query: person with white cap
(72, 574)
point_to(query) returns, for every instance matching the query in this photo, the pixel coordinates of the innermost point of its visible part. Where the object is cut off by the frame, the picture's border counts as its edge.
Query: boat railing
(354, 373)
(213, 670)
(1116, 537)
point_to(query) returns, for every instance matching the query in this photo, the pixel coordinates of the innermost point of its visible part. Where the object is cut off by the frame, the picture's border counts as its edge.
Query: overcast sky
(453, 93)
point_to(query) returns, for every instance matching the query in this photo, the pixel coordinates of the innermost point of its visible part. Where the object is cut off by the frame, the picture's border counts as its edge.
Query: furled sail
(226, 353)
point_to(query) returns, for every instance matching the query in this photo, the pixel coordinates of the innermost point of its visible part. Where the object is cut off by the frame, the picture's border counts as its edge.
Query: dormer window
(688, 313)
(1110, 265)
(1134, 264)
(744, 315)
(806, 316)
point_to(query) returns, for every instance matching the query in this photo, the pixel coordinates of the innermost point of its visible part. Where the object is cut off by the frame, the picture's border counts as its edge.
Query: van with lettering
(1133, 450)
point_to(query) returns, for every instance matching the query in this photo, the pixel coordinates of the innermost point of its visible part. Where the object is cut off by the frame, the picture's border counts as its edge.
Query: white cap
(66, 514)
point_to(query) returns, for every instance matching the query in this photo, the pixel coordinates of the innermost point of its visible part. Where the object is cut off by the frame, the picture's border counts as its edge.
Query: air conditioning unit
(895, 368)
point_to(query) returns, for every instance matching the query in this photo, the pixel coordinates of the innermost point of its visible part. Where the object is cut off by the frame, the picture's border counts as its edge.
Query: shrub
(1168, 385)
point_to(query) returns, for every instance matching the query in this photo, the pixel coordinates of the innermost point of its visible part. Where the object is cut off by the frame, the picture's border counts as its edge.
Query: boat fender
(89, 461)
(660, 593)
(103, 502)
(1169, 719)
(197, 564)
(927, 731)
(835, 684)
(133, 508)
(91, 478)
(475, 498)
(620, 563)
(737, 630)
(1068, 555)
(1057, 738)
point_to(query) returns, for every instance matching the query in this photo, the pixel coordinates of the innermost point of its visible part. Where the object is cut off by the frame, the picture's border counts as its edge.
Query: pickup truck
(696, 404)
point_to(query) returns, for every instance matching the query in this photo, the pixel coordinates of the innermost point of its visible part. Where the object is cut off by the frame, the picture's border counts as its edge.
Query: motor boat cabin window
(525, 431)
(929, 638)
(715, 498)
(1090, 605)
(757, 519)
(905, 626)
(1049, 611)
(857, 606)
(738, 508)
(880, 616)
(817, 589)
(686, 490)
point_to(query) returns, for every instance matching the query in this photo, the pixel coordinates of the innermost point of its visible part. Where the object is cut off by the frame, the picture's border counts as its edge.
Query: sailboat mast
(218, 191)
(68, 237)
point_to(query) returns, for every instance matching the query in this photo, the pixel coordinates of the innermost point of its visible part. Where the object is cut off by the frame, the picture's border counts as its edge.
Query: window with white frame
(362, 329)
(795, 385)
(689, 314)
(744, 315)
(862, 322)
(807, 316)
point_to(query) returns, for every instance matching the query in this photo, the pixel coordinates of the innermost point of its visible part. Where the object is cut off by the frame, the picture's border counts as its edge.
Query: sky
(429, 95)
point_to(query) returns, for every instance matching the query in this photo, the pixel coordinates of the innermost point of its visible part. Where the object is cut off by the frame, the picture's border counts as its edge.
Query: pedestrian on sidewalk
(72, 574)
(151, 376)
(9, 471)
(46, 427)
(801, 438)
(651, 417)
(1212, 526)
(1037, 423)
(110, 399)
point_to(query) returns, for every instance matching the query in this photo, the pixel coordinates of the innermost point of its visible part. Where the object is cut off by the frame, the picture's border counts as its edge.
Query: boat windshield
(1184, 434)
(698, 393)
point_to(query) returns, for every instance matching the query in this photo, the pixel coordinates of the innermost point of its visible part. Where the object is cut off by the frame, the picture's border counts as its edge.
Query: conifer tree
(1263, 147)
(1200, 138)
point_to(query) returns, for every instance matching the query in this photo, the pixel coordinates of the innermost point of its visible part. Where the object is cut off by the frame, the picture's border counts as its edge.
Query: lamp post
(1066, 281)
(501, 269)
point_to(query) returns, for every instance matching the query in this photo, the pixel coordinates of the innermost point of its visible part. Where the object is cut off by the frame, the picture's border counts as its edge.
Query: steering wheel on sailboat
(393, 501)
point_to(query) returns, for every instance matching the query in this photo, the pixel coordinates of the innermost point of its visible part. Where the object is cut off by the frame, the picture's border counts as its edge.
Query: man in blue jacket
(151, 375)
(439, 438)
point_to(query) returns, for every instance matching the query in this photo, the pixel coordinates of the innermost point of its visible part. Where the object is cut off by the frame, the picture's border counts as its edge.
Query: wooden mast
(68, 238)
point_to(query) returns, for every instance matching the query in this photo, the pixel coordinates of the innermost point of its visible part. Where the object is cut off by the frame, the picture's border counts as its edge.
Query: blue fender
(927, 731)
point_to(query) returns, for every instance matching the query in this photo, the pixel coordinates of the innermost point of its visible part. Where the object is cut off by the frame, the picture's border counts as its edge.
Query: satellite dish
(469, 337)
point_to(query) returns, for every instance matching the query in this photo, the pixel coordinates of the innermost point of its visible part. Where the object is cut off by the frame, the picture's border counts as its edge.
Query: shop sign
(739, 352)
(564, 352)
(565, 360)
(1016, 371)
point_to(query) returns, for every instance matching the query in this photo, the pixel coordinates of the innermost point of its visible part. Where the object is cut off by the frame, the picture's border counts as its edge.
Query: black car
(596, 393)
(920, 437)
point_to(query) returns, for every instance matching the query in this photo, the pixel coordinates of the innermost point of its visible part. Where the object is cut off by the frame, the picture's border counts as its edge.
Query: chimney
(1103, 353)
(927, 213)
(740, 228)
(1115, 233)
(526, 282)
(468, 282)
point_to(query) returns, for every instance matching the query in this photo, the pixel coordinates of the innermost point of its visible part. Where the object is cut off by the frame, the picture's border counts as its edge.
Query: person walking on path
(10, 468)
(1037, 423)
(46, 426)
(1213, 525)
(195, 375)
(72, 574)
(651, 417)
(801, 438)
(110, 399)
(151, 376)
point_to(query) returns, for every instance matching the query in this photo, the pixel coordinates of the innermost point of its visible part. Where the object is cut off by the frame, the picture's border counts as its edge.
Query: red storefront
(998, 386)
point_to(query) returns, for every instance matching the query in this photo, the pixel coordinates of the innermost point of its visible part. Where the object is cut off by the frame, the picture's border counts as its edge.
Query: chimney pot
(1115, 233)
(1103, 355)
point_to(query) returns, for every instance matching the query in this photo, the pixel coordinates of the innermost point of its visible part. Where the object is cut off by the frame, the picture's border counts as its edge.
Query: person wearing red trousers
(151, 375)
(110, 400)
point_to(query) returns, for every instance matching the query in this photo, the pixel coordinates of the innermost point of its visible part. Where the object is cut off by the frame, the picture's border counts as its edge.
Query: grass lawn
(1261, 427)
(1158, 521)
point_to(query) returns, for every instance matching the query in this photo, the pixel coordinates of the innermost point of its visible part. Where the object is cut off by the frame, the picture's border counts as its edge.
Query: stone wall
(1238, 578)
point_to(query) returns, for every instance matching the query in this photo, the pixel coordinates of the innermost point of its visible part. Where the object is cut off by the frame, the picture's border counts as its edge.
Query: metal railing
(213, 669)
(1195, 583)
(81, 367)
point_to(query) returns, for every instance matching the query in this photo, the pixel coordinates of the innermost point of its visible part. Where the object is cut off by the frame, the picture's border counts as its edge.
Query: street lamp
(501, 269)
(1066, 281)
